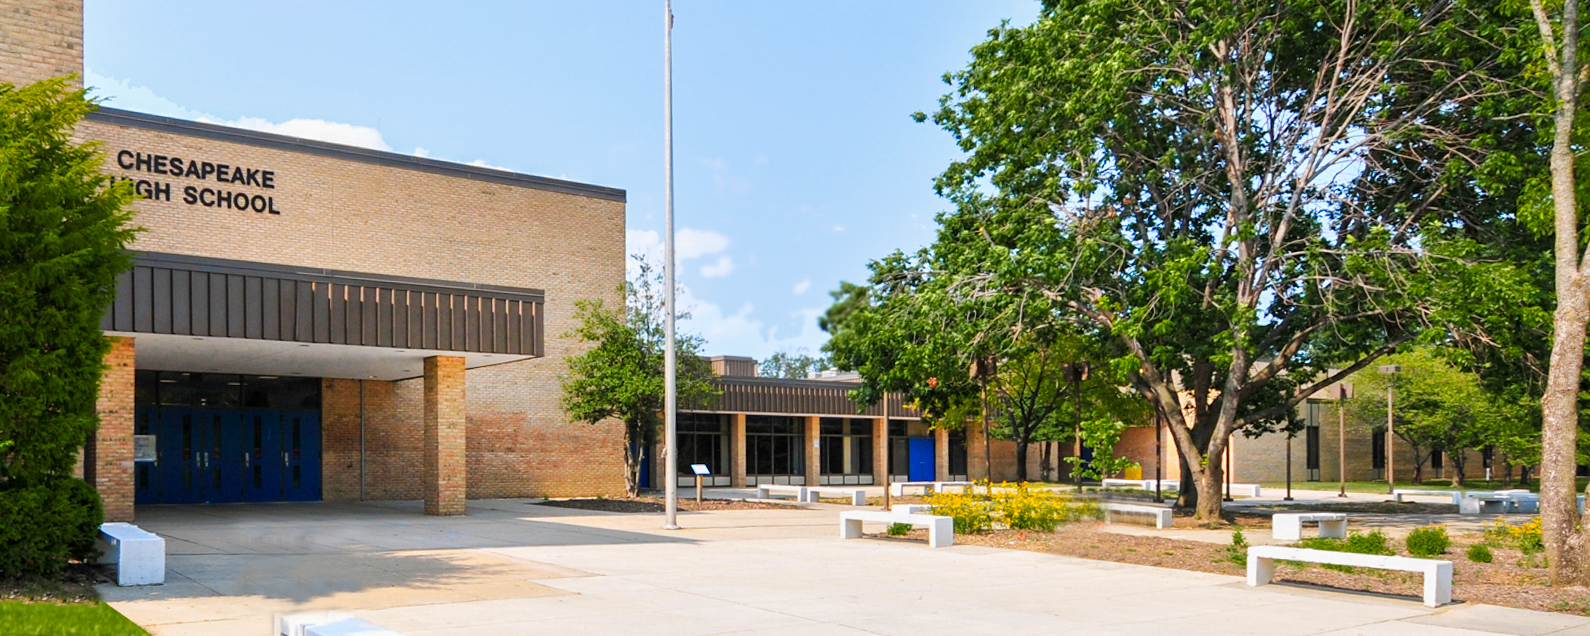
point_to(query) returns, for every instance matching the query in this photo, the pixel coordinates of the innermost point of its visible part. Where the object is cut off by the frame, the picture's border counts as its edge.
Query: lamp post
(671, 392)
(1390, 371)
(1341, 438)
(982, 369)
(1159, 454)
(1076, 373)
(1289, 435)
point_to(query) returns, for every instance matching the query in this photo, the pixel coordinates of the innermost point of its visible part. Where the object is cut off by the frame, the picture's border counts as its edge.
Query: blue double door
(230, 455)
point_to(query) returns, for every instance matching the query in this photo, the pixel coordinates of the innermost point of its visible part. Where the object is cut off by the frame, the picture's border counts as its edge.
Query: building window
(846, 450)
(774, 448)
(703, 439)
(1377, 449)
(958, 455)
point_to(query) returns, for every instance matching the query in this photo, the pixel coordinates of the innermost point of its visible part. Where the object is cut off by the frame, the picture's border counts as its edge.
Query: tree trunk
(1044, 457)
(1208, 504)
(1021, 460)
(633, 455)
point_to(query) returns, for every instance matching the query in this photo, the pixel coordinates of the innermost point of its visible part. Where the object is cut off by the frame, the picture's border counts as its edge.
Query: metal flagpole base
(672, 527)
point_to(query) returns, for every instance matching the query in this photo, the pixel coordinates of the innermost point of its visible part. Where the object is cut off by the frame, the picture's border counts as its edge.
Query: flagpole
(671, 399)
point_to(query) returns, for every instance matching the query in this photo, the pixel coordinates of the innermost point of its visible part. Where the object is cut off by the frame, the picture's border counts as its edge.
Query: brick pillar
(444, 435)
(737, 450)
(108, 456)
(941, 453)
(339, 439)
(880, 451)
(976, 463)
(814, 455)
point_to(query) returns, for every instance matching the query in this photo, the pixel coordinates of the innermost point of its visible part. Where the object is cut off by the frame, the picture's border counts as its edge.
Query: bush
(972, 513)
(1524, 537)
(44, 526)
(1371, 543)
(1022, 508)
(899, 529)
(1428, 541)
(1478, 553)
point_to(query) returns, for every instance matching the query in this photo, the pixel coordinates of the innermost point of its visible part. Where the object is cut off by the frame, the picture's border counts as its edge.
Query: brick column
(880, 451)
(108, 455)
(976, 463)
(444, 435)
(814, 457)
(941, 453)
(737, 450)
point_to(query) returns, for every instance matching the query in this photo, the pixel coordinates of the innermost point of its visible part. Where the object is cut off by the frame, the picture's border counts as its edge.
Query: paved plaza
(513, 567)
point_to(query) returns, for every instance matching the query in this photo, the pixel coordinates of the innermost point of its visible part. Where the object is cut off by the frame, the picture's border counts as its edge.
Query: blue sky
(796, 160)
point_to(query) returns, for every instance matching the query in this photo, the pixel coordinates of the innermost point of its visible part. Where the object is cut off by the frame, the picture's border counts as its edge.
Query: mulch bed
(76, 585)
(656, 505)
(1510, 580)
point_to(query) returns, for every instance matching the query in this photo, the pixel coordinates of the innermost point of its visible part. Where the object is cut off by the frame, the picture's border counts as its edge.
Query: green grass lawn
(79, 619)
(1429, 484)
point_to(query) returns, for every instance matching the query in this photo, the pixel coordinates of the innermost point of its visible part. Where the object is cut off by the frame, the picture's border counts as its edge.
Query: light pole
(1159, 454)
(1289, 436)
(1076, 373)
(671, 392)
(1390, 371)
(1341, 438)
(982, 369)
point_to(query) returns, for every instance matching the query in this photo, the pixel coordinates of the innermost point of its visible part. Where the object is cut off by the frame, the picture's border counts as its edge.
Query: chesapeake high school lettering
(204, 171)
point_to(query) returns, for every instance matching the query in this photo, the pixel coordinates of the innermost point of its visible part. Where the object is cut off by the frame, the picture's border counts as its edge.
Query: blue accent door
(263, 456)
(922, 468)
(301, 443)
(146, 421)
(181, 446)
(221, 460)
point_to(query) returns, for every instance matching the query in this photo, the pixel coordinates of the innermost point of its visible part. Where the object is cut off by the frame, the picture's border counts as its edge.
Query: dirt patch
(76, 585)
(1510, 580)
(656, 505)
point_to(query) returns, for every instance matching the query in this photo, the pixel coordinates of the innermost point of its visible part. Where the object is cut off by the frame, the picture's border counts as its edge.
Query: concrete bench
(1288, 526)
(897, 489)
(1244, 490)
(328, 624)
(1457, 497)
(1141, 484)
(1519, 500)
(768, 491)
(911, 509)
(941, 530)
(1437, 574)
(857, 496)
(139, 555)
(1161, 515)
(1488, 503)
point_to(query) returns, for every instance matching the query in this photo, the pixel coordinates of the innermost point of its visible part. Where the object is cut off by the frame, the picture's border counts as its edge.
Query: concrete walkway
(512, 567)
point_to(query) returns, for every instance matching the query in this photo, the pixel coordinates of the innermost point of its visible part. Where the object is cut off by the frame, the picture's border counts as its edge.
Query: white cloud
(801, 287)
(741, 333)
(317, 129)
(723, 267)
(119, 94)
(481, 163)
(692, 243)
(421, 152)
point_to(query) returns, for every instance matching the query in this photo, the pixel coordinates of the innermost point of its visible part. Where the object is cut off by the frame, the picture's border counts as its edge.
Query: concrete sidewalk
(512, 567)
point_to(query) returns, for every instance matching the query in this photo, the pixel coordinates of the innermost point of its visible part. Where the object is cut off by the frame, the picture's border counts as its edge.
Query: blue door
(146, 421)
(221, 459)
(181, 445)
(301, 444)
(922, 468)
(263, 456)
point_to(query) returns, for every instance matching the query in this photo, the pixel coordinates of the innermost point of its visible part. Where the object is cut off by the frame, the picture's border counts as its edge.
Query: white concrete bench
(1488, 503)
(1141, 484)
(139, 555)
(328, 624)
(941, 530)
(857, 496)
(1245, 490)
(911, 509)
(1437, 574)
(897, 489)
(1161, 515)
(768, 491)
(1457, 497)
(1288, 526)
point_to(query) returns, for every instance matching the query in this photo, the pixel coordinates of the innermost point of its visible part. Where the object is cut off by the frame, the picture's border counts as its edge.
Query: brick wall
(108, 460)
(40, 39)
(339, 439)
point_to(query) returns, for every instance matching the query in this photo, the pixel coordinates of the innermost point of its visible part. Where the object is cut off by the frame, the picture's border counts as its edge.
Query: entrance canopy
(213, 315)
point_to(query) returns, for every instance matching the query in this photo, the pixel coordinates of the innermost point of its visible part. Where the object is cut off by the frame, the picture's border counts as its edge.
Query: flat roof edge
(219, 132)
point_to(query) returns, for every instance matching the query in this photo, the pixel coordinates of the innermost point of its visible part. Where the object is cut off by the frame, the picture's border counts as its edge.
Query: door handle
(284, 460)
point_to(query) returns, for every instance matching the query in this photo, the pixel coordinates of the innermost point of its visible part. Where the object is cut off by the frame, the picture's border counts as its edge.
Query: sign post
(700, 470)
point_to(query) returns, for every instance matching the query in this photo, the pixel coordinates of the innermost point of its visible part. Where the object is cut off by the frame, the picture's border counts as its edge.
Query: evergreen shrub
(1428, 541)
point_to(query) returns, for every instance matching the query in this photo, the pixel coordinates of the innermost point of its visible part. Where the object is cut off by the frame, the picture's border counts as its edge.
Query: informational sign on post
(700, 469)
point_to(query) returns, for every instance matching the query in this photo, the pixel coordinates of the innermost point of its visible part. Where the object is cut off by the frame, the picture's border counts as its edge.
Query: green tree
(1190, 180)
(1438, 407)
(622, 375)
(794, 364)
(64, 228)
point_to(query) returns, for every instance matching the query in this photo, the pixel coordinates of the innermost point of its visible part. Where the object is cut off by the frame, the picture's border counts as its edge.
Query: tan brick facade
(40, 39)
(445, 466)
(108, 458)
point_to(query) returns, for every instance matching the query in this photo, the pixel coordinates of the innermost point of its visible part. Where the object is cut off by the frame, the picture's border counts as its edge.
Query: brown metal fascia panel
(160, 295)
(321, 311)
(270, 309)
(319, 275)
(444, 322)
(471, 323)
(339, 313)
(289, 300)
(400, 318)
(253, 307)
(541, 328)
(217, 305)
(123, 307)
(428, 320)
(355, 315)
(143, 299)
(181, 303)
(304, 311)
(460, 322)
(234, 306)
(416, 320)
(499, 343)
(383, 317)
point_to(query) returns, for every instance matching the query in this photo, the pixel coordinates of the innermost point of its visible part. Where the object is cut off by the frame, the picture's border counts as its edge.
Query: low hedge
(43, 526)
